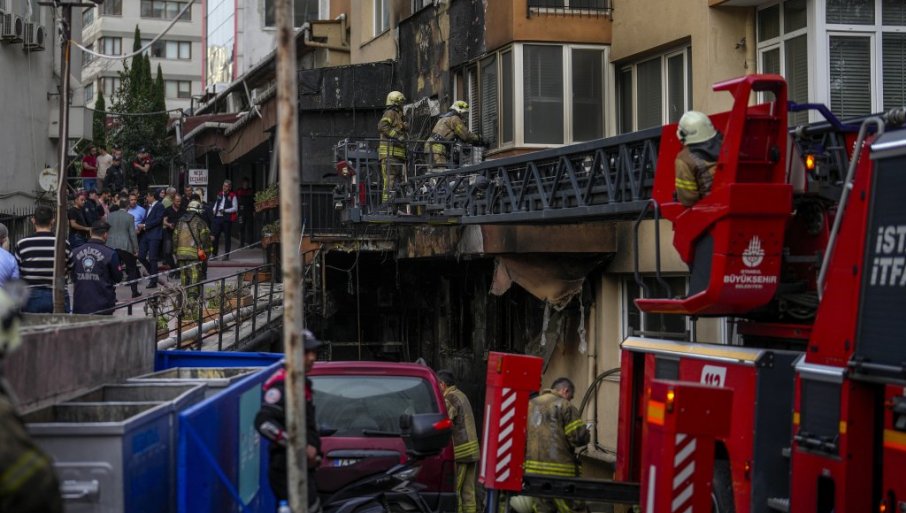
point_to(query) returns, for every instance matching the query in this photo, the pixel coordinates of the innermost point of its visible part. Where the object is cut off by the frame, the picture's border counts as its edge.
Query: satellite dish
(48, 179)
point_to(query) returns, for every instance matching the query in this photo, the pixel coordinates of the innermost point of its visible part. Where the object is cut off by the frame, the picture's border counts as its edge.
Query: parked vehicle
(359, 405)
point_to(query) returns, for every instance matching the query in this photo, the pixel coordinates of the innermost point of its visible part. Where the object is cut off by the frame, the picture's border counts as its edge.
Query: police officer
(696, 163)
(465, 440)
(95, 271)
(449, 129)
(27, 480)
(392, 147)
(271, 423)
(554, 433)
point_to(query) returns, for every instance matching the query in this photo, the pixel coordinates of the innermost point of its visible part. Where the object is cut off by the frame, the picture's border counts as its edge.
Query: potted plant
(270, 234)
(267, 198)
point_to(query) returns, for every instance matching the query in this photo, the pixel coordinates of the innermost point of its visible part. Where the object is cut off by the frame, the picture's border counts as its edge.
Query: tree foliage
(141, 97)
(99, 122)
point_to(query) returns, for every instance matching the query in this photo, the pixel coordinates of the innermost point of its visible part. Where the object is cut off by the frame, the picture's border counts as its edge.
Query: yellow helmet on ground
(695, 127)
(460, 107)
(395, 98)
(522, 503)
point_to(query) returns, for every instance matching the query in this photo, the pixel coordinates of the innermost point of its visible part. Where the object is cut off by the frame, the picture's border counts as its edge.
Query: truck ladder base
(596, 490)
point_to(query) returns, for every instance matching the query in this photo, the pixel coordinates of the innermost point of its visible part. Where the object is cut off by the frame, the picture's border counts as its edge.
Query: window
(783, 49)
(640, 324)
(110, 86)
(174, 50)
(89, 93)
(88, 58)
(654, 91)
(87, 17)
(164, 9)
(303, 12)
(381, 16)
(109, 46)
(112, 8)
(533, 94)
(178, 88)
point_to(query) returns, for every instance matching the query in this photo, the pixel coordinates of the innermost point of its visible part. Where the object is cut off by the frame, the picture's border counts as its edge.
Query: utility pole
(290, 230)
(59, 255)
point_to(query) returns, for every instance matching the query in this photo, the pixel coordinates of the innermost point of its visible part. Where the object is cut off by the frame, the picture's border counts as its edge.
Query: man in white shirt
(104, 161)
(226, 211)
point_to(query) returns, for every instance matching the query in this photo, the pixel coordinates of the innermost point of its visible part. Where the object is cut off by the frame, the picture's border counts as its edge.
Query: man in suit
(151, 234)
(122, 238)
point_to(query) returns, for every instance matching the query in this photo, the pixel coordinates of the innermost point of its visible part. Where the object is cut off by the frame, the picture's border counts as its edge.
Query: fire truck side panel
(833, 457)
(629, 434)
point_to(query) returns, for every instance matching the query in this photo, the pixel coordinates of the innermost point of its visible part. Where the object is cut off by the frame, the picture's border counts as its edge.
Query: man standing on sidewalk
(35, 257)
(95, 272)
(122, 238)
(151, 234)
(226, 208)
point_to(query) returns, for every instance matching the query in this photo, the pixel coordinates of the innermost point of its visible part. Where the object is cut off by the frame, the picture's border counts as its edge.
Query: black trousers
(131, 263)
(222, 225)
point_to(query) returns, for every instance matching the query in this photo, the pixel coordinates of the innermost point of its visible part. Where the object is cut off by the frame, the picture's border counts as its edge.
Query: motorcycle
(394, 489)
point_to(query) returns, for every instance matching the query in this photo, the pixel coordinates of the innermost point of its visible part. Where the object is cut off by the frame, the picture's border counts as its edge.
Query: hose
(593, 387)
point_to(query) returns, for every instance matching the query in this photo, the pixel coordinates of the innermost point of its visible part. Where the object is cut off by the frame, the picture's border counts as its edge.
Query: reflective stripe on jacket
(555, 431)
(465, 436)
(191, 233)
(448, 128)
(393, 134)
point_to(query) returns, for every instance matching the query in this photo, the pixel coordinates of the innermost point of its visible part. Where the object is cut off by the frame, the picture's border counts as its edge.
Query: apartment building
(109, 29)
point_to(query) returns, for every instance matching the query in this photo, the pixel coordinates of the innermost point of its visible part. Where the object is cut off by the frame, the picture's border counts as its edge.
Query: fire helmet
(694, 128)
(395, 98)
(460, 107)
(522, 503)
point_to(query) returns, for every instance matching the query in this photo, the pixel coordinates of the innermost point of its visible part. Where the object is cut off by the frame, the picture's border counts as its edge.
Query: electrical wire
(142, 49)
(134, 114)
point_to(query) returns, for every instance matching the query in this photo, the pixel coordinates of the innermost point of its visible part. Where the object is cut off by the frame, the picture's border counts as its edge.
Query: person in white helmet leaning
(696, 163)
(449, 129)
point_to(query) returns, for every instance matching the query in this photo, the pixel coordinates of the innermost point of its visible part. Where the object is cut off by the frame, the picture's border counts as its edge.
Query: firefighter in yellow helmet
(449, 129)
(554, 433)
(465, 440)
(192, 246)
(392, 148)
(696, 163)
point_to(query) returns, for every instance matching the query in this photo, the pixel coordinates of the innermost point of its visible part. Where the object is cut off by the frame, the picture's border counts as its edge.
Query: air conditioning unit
(34, 38)
(13, 28)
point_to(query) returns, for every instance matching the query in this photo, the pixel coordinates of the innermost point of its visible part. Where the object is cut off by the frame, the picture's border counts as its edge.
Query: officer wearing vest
(554, 432)
(449, 129)
(696, 163)
(95, 270)
(465, 440)
(392, 147)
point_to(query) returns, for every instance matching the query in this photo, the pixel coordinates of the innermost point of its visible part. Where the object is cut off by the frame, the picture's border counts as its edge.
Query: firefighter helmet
(522, 503)
(395, 98)
(460, 107)
(694, 128)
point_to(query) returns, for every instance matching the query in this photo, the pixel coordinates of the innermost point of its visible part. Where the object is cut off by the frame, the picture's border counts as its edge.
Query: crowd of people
(114, 232)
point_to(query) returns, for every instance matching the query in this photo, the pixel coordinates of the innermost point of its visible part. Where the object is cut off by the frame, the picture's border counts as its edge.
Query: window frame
(626, 303)
(379, 8)
(180, 95)
(88, 90)
(115, 84)
(108, 5)
(181, 4)
(684, 50)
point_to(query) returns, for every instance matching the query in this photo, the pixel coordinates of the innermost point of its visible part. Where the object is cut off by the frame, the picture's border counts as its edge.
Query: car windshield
(369, 405)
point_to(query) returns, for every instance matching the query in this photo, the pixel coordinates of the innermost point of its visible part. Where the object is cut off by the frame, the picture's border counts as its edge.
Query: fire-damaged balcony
(609, 177)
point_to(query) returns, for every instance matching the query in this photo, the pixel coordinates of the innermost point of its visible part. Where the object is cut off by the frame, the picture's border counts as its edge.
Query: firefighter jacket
(555, 431)
(393, 132)
(449, 128)
(694, 176)
(190, 235)
(465, 436)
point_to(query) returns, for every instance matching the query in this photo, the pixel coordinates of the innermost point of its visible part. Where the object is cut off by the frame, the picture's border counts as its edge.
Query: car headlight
(408, 474)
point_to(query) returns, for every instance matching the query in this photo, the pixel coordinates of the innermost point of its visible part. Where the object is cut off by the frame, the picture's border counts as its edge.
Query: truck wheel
(722, 488)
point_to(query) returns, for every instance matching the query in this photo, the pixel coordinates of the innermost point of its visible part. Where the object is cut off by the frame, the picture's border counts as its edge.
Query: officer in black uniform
(95, 271)
(271, 423)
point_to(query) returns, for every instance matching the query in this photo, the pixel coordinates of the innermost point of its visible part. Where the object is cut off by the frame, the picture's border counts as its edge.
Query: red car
(358, 406)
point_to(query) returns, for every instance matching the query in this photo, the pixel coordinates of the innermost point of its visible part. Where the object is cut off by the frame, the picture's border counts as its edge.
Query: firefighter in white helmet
(392, 148)
(449, 129)
(696, 163)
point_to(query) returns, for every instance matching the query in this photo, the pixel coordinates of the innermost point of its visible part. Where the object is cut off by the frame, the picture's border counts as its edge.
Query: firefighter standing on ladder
(554, 432)
(449, 129)
(696, 163)
(392, 148)
(465, 440)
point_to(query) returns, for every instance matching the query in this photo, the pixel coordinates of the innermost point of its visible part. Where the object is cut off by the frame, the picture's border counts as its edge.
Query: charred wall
(467, 22)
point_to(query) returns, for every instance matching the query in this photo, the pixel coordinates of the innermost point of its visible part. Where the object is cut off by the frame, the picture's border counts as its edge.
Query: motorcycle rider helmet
(694, 128)
(395, 98)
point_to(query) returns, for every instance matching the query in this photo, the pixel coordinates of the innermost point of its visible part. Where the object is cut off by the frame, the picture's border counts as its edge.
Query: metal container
(179, 396)
(216, 378)
(110, 457)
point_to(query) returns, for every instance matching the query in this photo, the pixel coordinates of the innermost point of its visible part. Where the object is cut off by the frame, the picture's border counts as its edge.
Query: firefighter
(449, 129)
(192, 245)
(271, 423)
(696, 163)
(27, 480)
(465, 440)
(392, 148)
(554, 433)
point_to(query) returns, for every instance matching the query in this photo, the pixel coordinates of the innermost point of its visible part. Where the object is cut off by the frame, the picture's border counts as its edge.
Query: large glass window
(220, 38)
(164, 49)
(89, 92)
(381, 16)
(110, 45)
(489, 100)
(164, 9)
(783, 49)
(640, 324)
(588, 94)
(850, 75)
(110, 86)
(653, 92)
(543, 94)
(303, 12)
(506, 93)
(178, 88)
(111, 8)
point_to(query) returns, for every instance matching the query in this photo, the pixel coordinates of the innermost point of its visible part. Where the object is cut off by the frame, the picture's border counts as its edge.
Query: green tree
(99, 122)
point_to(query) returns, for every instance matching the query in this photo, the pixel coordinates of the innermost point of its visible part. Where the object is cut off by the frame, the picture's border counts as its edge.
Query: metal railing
(192, 316)
(318, 210)
(570, 7)
(18, 224)
(605, 177)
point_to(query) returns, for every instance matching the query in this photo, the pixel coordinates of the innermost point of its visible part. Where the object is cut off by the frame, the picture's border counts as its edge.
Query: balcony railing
(570, 7)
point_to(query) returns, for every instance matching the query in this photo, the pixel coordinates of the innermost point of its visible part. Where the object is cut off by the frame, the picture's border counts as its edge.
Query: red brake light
(441, 425)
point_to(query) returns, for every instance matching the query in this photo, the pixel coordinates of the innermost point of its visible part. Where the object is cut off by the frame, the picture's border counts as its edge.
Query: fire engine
(801, 242)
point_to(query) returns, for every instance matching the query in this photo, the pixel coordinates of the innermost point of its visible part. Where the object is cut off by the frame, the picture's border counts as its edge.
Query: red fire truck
(802, 242)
